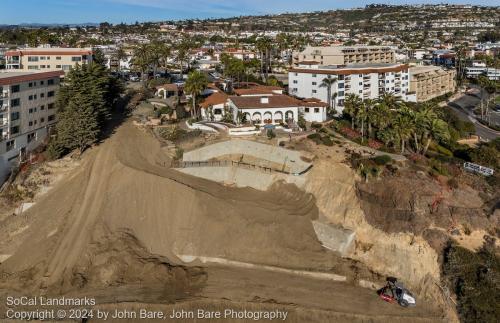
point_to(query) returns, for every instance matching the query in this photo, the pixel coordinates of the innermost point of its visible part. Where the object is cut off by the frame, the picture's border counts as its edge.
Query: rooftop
(7, 78)
(275, 101)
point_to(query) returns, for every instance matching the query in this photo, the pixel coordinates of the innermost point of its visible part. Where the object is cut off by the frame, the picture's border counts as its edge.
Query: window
(33, 67)
(42, 120)
(14, 130)
(15, 102)
(360, 91)
(296, 74)
(14, 116)
(295, 82)
(314, 91)
(341, 77)
(10, 145)
(58, 66)
(360, 75)
(30, 84)
(42, 82)
(360, 83)
(341, 93)
(314, 83)
(341, 85)
(50, 106)
(50, 82)
(314, 75)
(42, 66)
(42, 95)
(30, 124)
(51, 117)
(58, 58)
(31, 136)
(32, 58)
(50, 94)
(307, 109)
(42, 58)
(15, 88)
(42, 107)
(316, 110)
(76, 59)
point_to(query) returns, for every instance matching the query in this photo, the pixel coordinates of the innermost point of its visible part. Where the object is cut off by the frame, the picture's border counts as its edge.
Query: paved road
(463, 107)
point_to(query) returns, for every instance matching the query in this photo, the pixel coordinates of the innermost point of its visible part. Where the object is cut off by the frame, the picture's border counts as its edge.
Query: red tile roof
(214, 99)
(8, 80)
(260, 89)
(46, 52)
(275, 101)
(349, 71)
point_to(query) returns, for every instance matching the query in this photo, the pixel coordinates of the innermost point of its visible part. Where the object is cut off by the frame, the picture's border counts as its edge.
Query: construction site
(232, 223)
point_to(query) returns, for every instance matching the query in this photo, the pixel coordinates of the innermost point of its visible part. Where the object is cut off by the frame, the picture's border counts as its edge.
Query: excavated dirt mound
(116, 227)
(121, 188)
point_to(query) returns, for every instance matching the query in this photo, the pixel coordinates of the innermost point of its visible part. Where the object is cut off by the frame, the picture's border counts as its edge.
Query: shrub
(179, 153)
(473, 277)
(375, 144)
(444, 151)
(316, 125)
(314, 136)
(327, 141)
(382, 160)
(270, 134)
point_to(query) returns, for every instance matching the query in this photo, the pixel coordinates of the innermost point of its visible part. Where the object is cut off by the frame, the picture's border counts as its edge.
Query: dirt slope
(114, 229)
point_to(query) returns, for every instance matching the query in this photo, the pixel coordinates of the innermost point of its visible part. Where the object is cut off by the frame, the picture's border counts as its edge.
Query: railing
(226, 163)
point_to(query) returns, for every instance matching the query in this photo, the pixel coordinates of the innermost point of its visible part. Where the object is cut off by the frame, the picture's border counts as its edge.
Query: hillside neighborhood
(341, 147)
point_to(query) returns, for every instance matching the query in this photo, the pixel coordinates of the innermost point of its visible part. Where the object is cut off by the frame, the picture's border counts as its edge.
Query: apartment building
(428, 82)
(27, 111)
(47, 59)
(366, 81)
(344, 55)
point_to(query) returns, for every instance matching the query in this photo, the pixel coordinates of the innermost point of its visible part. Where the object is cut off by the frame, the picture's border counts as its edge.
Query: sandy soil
(114, 227)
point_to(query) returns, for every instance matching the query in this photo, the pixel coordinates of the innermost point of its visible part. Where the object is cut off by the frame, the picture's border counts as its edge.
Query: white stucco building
(263, 110)
(27, 111)
(366, 81)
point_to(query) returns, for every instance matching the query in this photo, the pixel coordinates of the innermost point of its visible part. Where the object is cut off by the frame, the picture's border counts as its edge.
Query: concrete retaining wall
(241, 177)
(245, 147)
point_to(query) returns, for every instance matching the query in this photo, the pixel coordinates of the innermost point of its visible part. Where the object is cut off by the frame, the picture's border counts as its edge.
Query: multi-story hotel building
(343, 55)
(428, 82)
(366, 81)
(47, 59)
(27, 112)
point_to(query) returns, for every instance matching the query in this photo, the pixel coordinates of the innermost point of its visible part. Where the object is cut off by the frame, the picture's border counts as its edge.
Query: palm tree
(352, 106)
(328, 82)
(436, 129)
(182, 55)
(120, 55)
(334, 98)
(403, 126)
(141, 60)
(264, 45)
(195, 84)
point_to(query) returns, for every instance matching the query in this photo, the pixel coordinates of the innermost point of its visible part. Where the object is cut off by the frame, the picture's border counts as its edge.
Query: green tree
(195, 84)
(328, 82)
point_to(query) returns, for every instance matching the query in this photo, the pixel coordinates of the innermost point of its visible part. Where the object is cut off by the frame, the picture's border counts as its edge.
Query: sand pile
(123, 205)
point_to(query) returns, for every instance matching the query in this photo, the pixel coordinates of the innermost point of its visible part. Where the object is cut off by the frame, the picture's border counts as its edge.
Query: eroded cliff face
(399, 252)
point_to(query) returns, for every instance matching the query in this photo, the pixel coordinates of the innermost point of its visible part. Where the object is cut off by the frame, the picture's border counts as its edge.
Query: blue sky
(115, 11)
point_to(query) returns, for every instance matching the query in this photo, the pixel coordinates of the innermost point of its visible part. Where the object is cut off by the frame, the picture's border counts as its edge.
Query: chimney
(264, 100)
